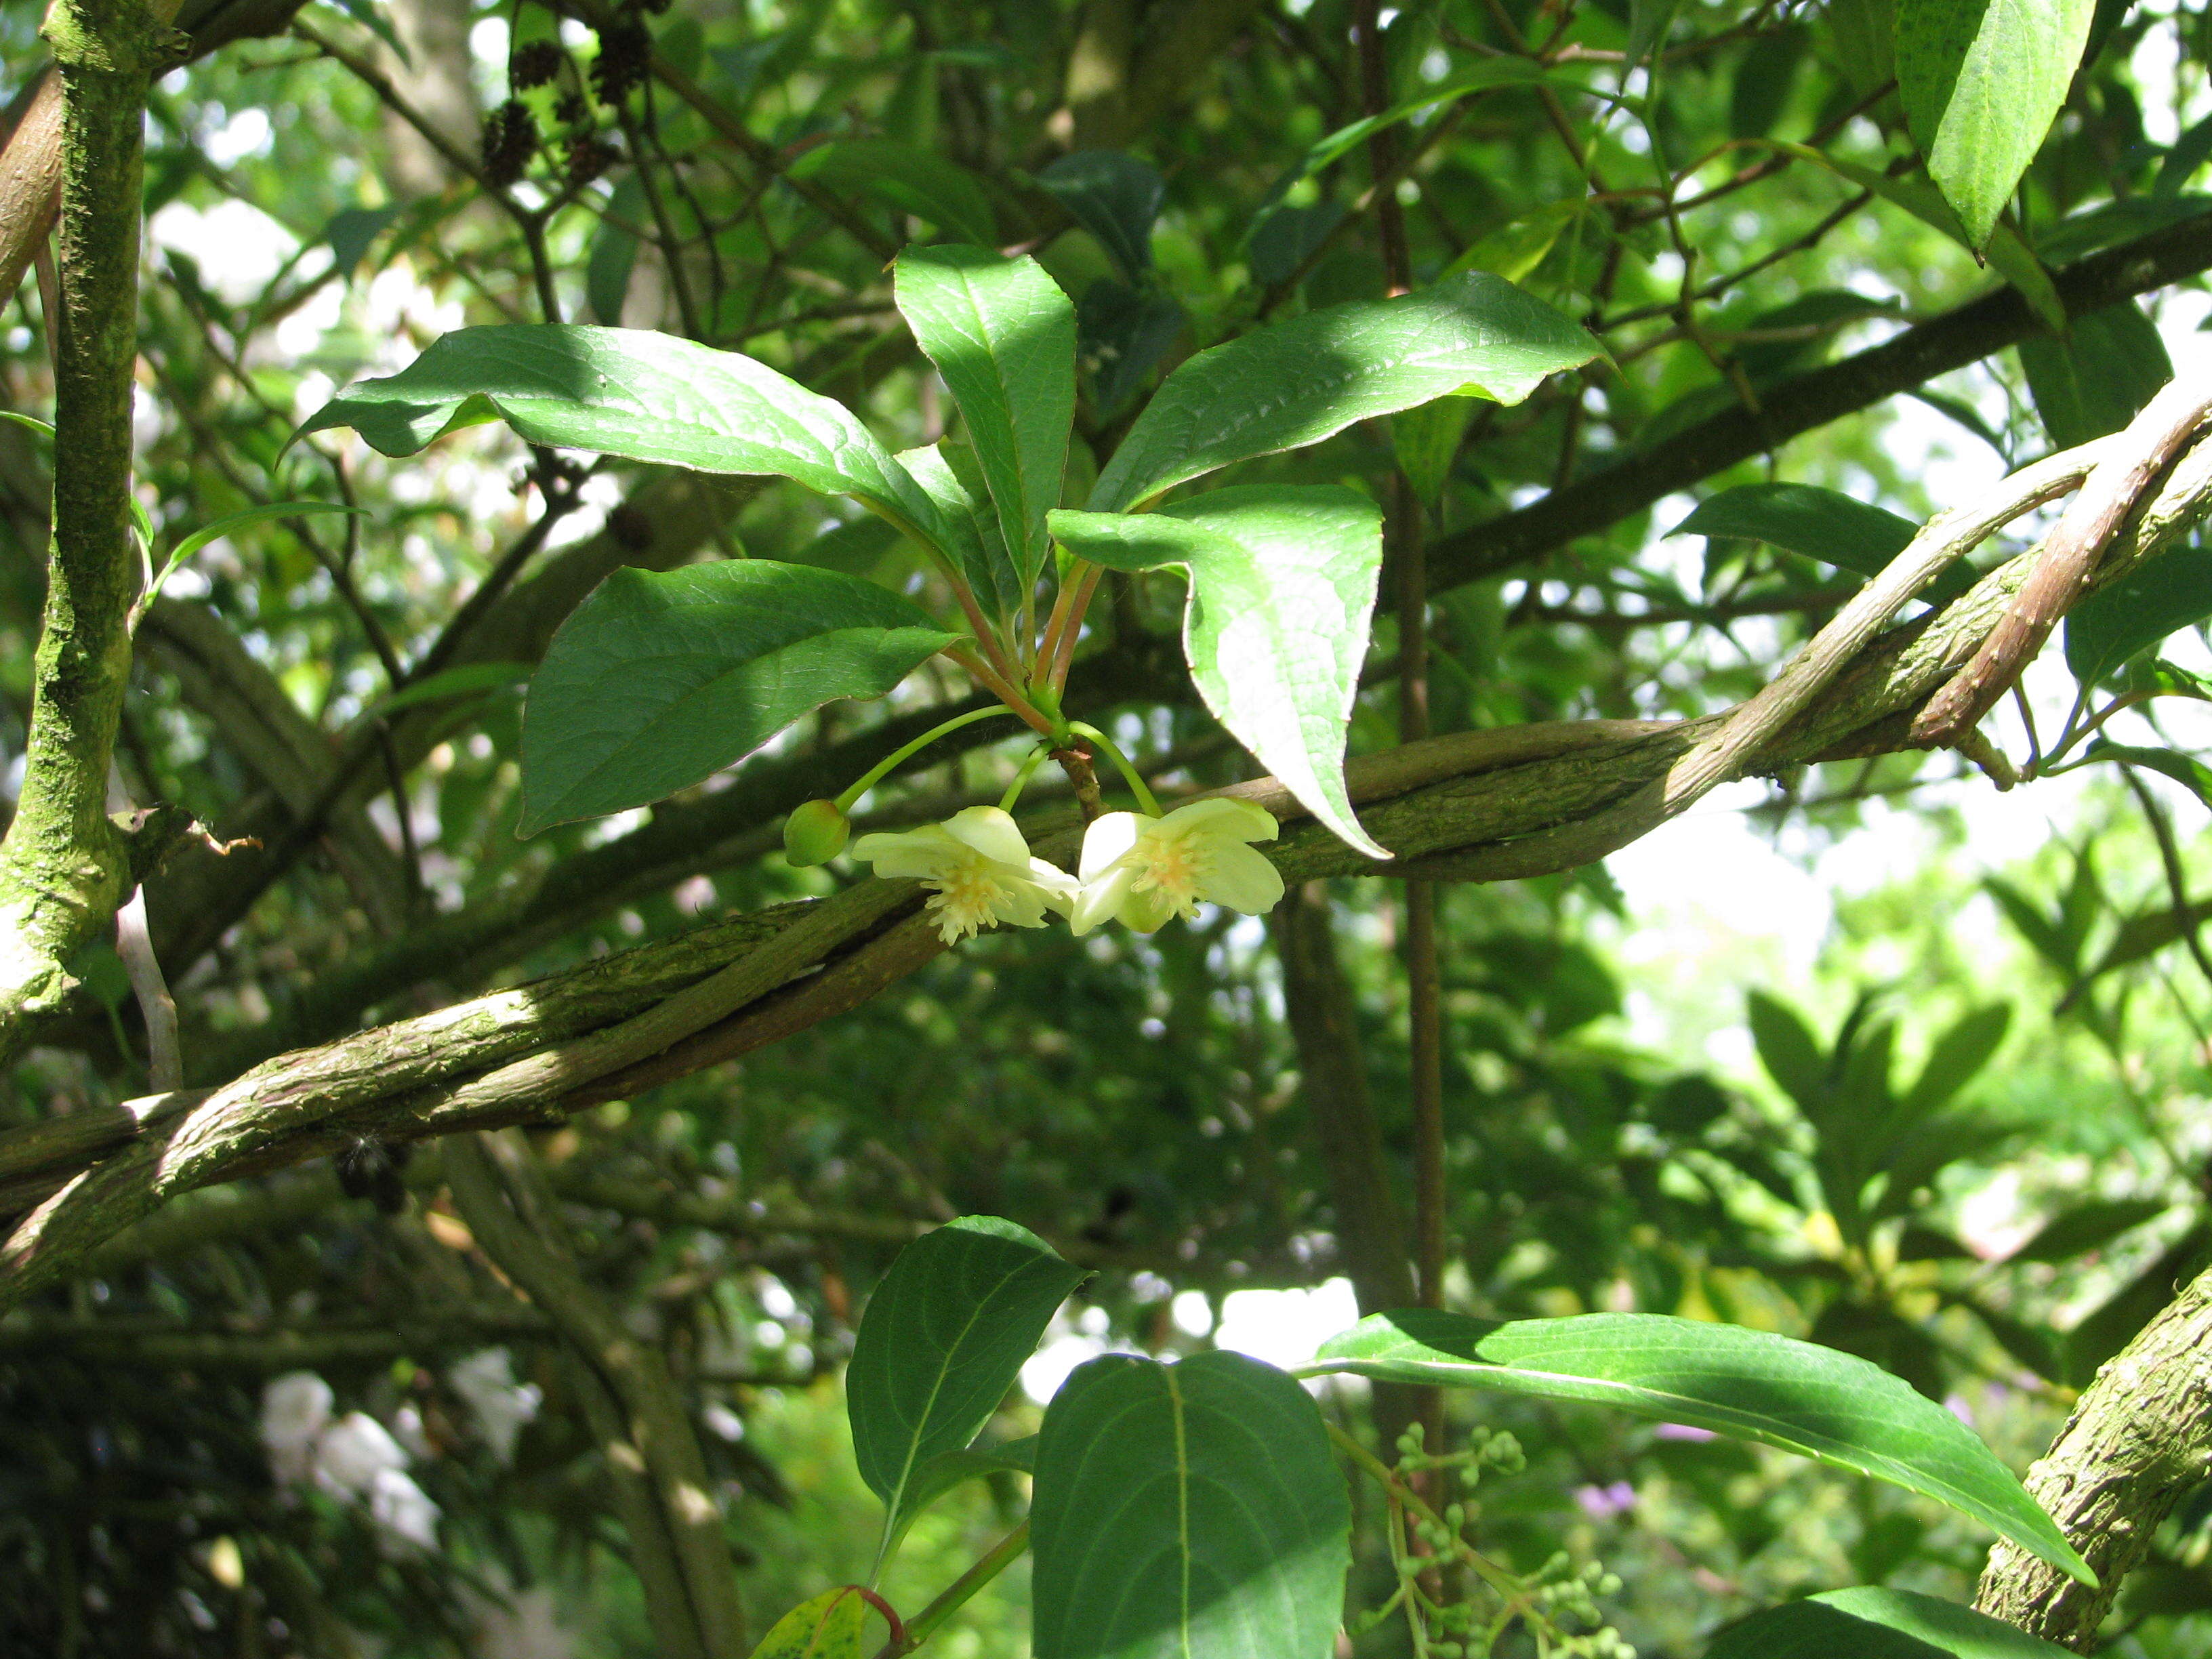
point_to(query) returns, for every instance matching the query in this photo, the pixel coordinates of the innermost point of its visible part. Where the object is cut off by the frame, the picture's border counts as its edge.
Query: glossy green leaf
(1002, 335)
(1306, 380)
(829, 1626)
(1822, 523)
(638, 395)
(1746, 1384)
(660, 678)
(1116, 197)
(2083, 1228)
(1282, 586)
(1186, 1511)
(2094, 379)
(1870, 1622)
(908, 178)
(1982, 81)
(2157, 599)
(944, 1336)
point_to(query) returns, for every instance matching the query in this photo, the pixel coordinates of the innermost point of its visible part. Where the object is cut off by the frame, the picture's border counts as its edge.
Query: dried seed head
(535, 64)
(510, 139)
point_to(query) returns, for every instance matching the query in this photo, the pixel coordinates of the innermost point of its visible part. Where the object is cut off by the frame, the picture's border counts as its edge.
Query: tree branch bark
(63, 866)
(2138, 1442)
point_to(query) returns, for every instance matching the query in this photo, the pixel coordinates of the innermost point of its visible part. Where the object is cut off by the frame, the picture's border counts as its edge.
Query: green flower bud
(815, 833)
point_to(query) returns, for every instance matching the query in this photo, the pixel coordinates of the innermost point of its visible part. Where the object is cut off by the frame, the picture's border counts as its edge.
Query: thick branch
(2138, 1442)
(63, 867)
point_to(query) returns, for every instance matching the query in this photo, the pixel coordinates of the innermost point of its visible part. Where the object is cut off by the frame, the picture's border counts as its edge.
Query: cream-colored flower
(1140, 871)
(981, 867)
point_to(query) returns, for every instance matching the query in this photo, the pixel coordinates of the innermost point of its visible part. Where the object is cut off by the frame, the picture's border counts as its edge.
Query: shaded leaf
(2083, 1228)
(2094, 379)
(1789, 1051)
(1306, 380)
(1122, 333)
(1282, 586)
(2155, 599)
(949, 473)
(660, 678)
(614, 252)
(1116, 197)
(2187, 770)
(944, 1338)
(1870, 1622)
(1427, 441)
(907, 177)
(467, 679)
(1186, 1509)
(1958, 1055)
(1821, 524)
(1747, 1383)
(351, 230)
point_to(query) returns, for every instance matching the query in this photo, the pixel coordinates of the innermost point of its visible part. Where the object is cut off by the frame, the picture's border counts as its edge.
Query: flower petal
(990, 832)
(1227, 816)
(1101, 900)
(1059, 888)
(1108, 838)
(910, 852)
(1147, 912)
(1244, 880)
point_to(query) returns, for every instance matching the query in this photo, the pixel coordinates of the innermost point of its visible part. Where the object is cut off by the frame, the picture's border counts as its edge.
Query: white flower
(1141, 870)
(353, 1451)
(402, 1510)
(981, 867)
(501, 1405)
(295, 1409)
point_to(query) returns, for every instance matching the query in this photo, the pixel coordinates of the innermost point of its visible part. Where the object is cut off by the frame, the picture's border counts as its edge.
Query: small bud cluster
(625, 57)
(510, 139)
(535, 64)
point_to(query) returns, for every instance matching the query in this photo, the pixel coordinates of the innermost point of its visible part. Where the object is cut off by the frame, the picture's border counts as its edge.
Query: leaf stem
(1001, 687)
(1063, 647)
(923, 1625)
(1137, 785)
(874, 775)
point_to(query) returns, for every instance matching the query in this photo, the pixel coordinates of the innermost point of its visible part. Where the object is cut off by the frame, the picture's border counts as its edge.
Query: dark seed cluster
(510, 139)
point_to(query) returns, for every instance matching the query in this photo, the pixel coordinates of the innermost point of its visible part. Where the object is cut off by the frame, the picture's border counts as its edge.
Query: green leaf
(1427, 442)
(1123, 333)
(1959, 1056)
(1749, 1384)
(2190, 153)
(1788, 1050)
(953, 478)
(29, 422)
(944, 1338)
(1115, 197)
(1982, 81)
(2094, 379)
(829, 1626)
(468, 680)
(2187, 770)
(1870, 1622)
(231, 523)
(2001, 246)
(614, 252)
(1003, 336)
(2134, 614)
(369, 14)
(2083, 1228)
(638, 395)
(1862, 32)
(1306, 380)
(1186, 1509)
(662, 678)
(908, 178)
(1282, 585)
(1766, 77)
(350, 232)
(1647, 23)
(1822, 523)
